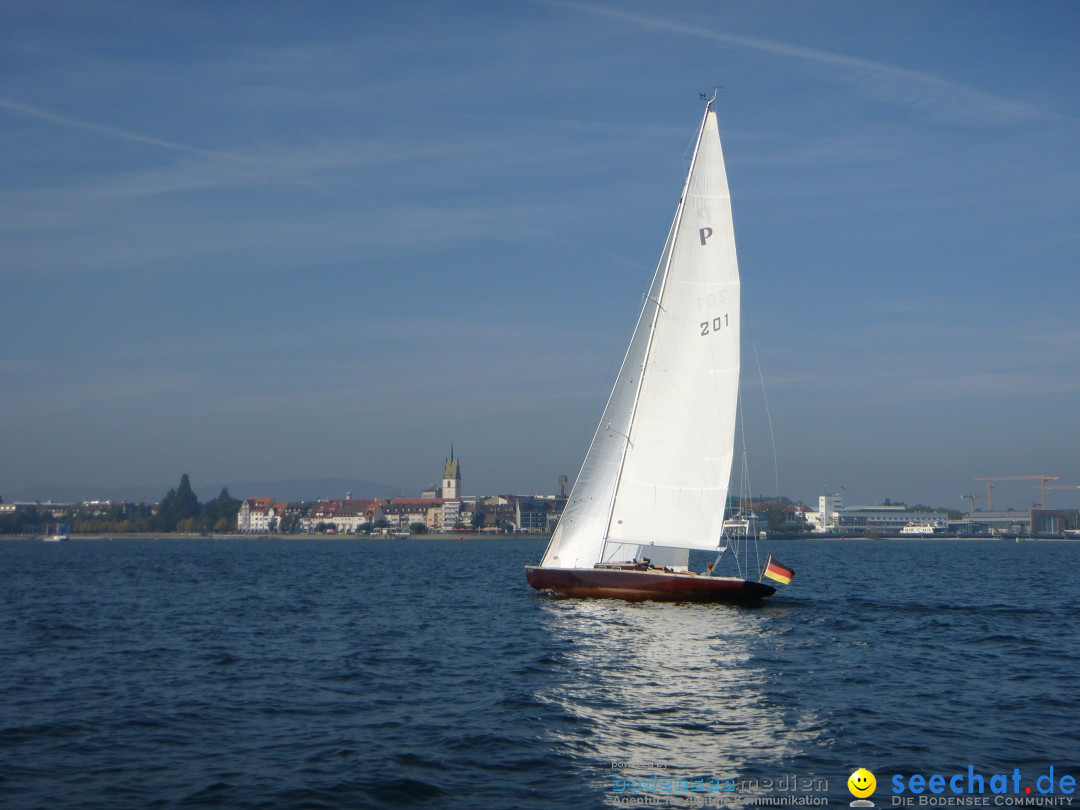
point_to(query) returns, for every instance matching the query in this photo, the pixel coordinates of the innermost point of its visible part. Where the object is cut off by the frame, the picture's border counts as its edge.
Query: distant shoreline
(298, 537)
(509, 536)
(912, 537)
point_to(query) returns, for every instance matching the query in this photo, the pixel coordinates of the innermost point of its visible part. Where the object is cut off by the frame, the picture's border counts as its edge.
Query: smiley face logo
(861, 783)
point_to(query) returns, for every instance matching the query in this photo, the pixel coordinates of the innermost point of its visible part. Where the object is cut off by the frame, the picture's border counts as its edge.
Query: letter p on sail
(704, 233)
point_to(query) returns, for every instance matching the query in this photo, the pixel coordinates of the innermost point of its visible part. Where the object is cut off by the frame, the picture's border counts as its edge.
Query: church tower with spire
(451, 477)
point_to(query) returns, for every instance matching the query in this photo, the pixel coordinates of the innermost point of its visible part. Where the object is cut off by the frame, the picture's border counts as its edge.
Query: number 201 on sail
(715, 325)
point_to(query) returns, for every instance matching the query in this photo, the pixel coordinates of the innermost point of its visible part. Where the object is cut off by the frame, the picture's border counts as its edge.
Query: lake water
(377, 674)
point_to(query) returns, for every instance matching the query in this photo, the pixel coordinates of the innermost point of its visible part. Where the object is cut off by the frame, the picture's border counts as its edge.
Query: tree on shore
(24, 521)
(219, 515)
(179, 508)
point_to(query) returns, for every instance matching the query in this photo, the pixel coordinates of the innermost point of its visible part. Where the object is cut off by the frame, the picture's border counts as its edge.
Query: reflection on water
(672, 689)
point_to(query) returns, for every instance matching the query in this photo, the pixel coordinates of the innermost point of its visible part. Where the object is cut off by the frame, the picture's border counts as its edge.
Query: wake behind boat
(654, 484)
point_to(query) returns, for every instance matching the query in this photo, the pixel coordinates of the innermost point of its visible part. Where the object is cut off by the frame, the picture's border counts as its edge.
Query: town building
(255, 515)
(402, 513)
(827, 516)
(832, 516)
(451, 480)
(346, 516)
(891, 519)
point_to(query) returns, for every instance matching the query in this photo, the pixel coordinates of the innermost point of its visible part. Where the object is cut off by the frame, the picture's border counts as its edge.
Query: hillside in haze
(305, 489)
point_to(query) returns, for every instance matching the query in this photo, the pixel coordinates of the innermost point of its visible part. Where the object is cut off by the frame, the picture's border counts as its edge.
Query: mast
(652, 326)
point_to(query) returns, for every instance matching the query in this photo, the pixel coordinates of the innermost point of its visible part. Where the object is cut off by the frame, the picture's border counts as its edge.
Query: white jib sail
(658, 468)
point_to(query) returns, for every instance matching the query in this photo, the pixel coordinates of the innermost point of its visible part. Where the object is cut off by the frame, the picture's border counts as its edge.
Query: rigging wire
(744, 485)
(744, 492)
(765, 400)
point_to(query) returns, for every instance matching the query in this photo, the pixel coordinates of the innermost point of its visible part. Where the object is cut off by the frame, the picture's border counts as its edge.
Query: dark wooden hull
(639, 586)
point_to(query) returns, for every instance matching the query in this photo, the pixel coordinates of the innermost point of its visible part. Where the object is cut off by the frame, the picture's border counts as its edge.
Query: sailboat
(654, 483)
(55, 533)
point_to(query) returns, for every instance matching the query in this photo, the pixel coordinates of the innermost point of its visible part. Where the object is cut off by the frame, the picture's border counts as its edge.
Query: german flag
(774, 570)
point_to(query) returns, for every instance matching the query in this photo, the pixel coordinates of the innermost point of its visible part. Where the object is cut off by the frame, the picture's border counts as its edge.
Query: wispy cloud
(257, 165)
(888, 83)
(101, 129)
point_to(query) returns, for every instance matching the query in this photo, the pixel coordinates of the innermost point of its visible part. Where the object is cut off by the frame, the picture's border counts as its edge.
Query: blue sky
(272, 241)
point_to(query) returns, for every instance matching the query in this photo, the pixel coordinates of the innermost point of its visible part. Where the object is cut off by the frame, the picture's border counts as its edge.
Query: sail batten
(658, 468)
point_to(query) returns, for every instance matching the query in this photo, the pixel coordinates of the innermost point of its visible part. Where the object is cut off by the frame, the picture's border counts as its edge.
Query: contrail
(898, 85)
(113, 132)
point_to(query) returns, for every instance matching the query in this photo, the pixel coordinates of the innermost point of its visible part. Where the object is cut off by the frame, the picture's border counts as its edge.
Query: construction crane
(1064, 486)
(990, 487)
(971, 498)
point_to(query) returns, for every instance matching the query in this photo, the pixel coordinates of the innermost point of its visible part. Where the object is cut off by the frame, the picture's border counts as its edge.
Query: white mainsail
(658, 468)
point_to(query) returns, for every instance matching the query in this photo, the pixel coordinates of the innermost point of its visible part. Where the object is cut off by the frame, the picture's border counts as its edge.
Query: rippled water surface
(370, 674)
